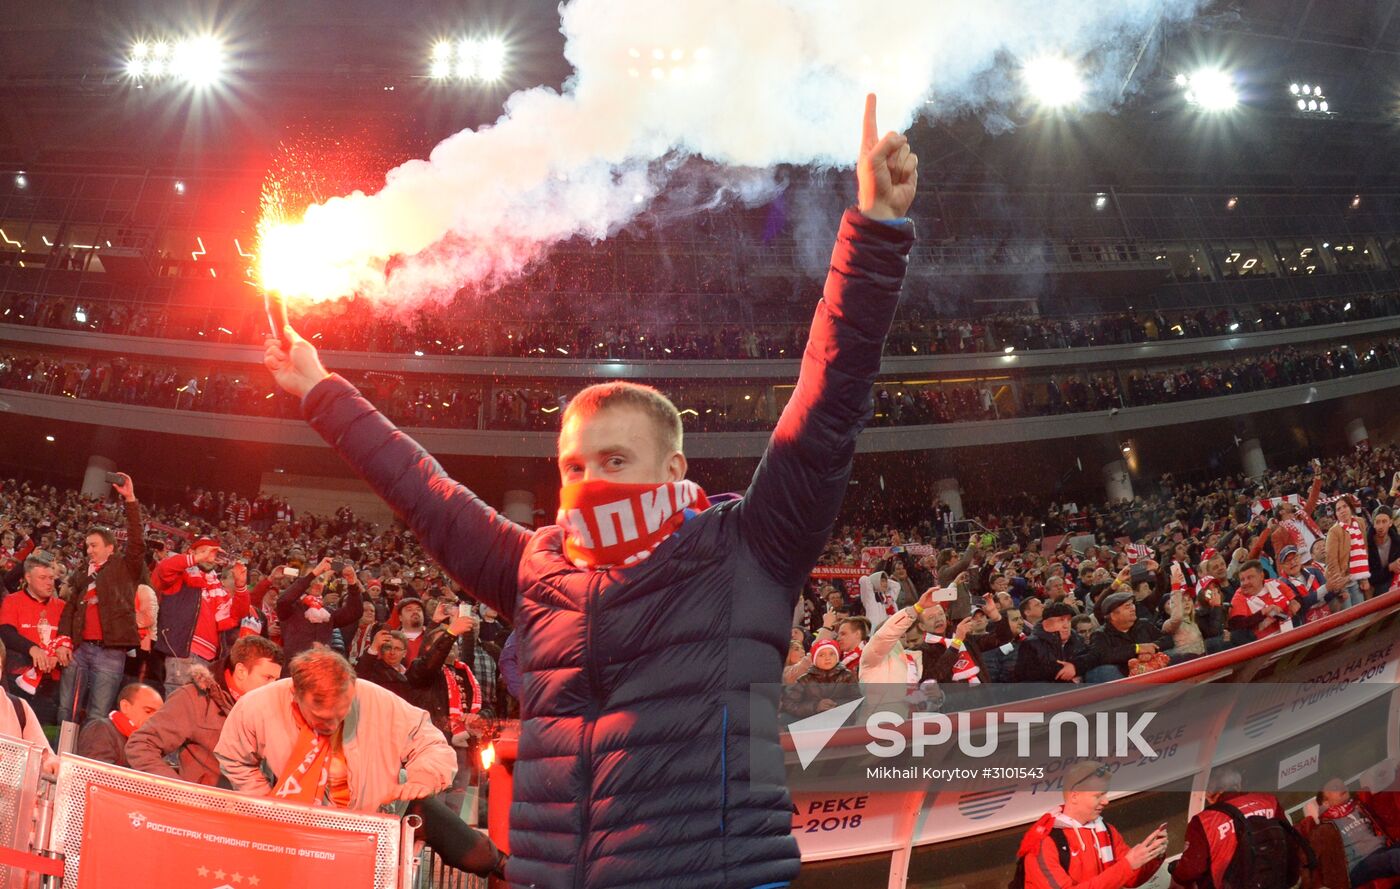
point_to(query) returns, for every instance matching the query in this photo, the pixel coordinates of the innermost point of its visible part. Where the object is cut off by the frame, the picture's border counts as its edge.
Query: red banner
(131, 840)
(871, 554)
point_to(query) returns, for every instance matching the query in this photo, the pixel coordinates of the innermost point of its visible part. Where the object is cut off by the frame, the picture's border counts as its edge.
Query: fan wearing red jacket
(1210, 837)
(196, 609)
(1098, 856)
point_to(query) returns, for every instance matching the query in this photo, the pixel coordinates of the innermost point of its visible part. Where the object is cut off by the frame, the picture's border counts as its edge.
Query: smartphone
(1139, 573)
(116, 478)
(337, 566)
(291, 572)
(947, 594)
(978, 603)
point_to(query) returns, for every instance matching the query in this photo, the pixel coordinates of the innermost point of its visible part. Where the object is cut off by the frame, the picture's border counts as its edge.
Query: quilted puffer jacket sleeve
(478, 547)
(796, 492)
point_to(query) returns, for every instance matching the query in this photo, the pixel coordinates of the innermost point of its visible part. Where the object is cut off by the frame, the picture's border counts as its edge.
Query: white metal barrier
(20, 816)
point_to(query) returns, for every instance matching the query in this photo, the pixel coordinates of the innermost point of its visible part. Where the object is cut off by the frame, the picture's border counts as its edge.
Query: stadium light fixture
(469, 60)
(1232, 203)
(195, 60)
(48, 438)
(1053, 81)
(21, 181)
(179, 186)
(1100, 201)
(1209, 89)
(1355, 201)
(79, 315)
(1310, 98)
(198, 61)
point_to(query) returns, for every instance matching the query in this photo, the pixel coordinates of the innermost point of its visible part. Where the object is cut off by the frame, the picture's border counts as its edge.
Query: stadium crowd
(1063, 594)
(619, 336)
(145, 625)
(1178, 570)
(148, 623)
(445, 402)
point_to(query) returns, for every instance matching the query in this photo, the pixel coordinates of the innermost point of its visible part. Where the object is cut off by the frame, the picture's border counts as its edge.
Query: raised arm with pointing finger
(653, 621)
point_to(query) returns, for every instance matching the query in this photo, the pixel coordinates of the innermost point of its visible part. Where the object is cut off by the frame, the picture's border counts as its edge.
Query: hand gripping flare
(277, 317)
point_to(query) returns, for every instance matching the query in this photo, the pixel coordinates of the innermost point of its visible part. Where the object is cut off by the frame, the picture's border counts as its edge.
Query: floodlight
(1212, 89)
(140, 51)
(1053, 81)
(198, 61)
(442, 50)
(21, 181)
(441, 68)
(1293, 88)
(491, 59)
(1100, 201)
(1302, 104)
(179, 186)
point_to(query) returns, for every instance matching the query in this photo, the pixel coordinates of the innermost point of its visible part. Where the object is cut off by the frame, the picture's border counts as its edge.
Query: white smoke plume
(744, 84)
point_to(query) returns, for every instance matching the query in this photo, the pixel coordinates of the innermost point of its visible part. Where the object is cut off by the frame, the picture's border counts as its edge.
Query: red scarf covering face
(123, 724)
(307, 773)
(609, 524)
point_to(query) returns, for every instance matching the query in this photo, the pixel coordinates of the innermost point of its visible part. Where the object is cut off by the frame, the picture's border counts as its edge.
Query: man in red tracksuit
(1099, 857)
(1210, 837)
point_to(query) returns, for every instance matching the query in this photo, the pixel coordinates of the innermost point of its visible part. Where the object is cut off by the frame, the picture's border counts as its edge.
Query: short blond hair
(618, 393)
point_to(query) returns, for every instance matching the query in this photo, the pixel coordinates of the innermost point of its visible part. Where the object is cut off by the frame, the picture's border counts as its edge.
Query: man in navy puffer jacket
(645, 617)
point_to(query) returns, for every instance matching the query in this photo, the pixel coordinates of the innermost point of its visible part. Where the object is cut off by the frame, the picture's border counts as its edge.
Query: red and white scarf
(29, 680)
(456, 718)
(316, 612)
(965, 669)
(607, 524)
(1341, 810)
(1359, 564)
(852, 659)
(123, 724)
(1103, 837)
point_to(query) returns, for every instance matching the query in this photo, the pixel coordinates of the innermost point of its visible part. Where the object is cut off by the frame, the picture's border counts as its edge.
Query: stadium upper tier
(158, 255)
(117, 382)
(434, 334)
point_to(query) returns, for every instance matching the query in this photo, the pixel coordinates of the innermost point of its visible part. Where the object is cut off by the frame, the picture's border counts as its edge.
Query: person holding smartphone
(1072, 846)
(302, 611)
(196, 609)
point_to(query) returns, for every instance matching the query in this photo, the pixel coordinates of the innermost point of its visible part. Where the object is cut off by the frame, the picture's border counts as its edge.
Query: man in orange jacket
(1073, 848)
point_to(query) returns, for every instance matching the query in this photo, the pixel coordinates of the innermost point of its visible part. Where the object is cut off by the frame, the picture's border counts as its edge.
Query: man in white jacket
(888, 672)
(331, 739)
